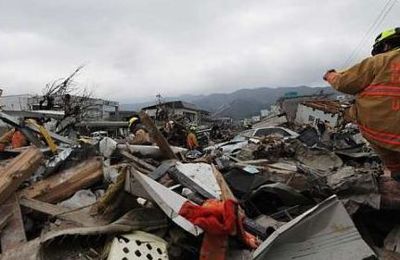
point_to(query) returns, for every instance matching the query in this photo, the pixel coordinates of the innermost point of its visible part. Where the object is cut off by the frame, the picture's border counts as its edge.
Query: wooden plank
(13, 234)
(157, 136)
(77, 217)
(226, 192)
(18, 170)
(64, 184)
(138, 161)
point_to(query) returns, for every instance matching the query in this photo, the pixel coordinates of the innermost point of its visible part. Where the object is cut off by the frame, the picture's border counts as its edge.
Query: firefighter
(375, 82)
(139, 133)
(191, 139)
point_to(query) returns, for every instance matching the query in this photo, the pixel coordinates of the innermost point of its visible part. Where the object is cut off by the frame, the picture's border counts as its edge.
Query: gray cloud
(140, 48)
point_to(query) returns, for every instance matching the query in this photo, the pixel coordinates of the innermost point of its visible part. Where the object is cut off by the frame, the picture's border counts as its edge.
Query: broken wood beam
(13, 234)
(18, 170)
(64, 184)
(60, 212)
(157, 136)
(226, 192)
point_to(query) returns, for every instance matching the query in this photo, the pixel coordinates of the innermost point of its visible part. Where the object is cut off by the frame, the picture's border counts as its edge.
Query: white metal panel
(202, 174)
(324, 232)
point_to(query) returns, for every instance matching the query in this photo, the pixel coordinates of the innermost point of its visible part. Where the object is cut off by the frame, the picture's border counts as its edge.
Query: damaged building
(312, 111)
(177, 109)
(95, 109)
(275, 191)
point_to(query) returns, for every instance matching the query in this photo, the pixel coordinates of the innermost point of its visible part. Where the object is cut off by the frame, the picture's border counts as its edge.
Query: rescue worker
(376, 84)
(139, 133)
(191, 139)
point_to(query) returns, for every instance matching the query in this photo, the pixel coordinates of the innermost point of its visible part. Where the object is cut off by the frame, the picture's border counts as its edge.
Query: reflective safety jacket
(376, 84)
(191, 141)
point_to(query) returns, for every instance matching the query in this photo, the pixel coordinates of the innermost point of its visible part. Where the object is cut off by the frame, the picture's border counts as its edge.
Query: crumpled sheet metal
(325, 231)
(347, 181)
(138, 245)
(318, 159)
(201, 176)
(169, 201)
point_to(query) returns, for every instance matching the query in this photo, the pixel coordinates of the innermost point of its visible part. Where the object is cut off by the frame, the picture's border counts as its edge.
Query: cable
(382, 14)
(367, 34)
(381, 20)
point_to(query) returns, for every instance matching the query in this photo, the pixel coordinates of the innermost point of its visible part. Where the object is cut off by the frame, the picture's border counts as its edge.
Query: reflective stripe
(382, 137)
(381, 90)
(392, 167)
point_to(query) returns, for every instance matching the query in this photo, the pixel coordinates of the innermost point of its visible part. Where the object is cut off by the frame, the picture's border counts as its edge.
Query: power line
(378, 25)
(378, 20)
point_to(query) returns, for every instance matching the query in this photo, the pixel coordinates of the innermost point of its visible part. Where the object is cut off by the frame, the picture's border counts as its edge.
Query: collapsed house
(327, 111)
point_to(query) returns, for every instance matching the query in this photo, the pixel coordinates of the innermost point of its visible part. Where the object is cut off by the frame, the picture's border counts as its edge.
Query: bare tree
(65, 94)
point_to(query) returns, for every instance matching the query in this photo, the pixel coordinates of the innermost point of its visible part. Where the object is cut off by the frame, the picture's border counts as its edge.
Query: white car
(241, 140)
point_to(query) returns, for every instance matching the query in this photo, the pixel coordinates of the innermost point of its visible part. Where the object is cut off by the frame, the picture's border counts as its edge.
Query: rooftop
(177, 104)
(329, 106)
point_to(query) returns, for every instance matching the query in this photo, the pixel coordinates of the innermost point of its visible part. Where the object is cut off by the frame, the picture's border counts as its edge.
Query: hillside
(241, 103)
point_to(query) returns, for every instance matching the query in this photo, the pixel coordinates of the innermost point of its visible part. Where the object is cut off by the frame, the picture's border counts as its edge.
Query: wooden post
(157, 136)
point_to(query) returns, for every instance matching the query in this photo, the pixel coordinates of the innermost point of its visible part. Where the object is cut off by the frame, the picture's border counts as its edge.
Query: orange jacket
(191, 141)
(376, 84)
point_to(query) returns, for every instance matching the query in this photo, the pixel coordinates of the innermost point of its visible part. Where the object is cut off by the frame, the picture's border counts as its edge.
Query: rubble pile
(284, 195)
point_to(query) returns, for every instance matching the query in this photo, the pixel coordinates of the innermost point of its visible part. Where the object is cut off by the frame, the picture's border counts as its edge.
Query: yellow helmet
(386, 36)
(133, 121)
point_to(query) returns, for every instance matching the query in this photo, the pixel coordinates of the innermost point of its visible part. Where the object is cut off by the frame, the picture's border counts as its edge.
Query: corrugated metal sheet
(324, 232)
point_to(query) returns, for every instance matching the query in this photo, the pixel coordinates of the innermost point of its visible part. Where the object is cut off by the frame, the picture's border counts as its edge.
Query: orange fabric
(191, 141)
(18, 140)
(379, 136)
(218, 218)
(381, 90)
(214, 247)
(213, 216)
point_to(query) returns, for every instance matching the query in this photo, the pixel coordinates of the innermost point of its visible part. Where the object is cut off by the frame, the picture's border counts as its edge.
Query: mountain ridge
(238, 104)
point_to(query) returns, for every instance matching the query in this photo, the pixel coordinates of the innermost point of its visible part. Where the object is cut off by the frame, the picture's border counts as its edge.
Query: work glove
(330, 76)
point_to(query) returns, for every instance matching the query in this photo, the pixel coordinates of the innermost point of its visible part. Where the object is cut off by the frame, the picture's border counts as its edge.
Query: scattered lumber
(18, 170)
(60, 212)
(64, 184)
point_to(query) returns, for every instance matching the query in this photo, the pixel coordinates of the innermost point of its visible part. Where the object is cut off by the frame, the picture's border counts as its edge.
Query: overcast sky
(134, 49)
